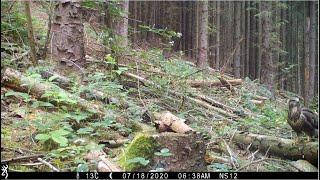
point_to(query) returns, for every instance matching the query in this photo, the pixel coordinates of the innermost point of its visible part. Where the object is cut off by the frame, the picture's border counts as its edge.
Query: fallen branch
(279, 146)
(22, 158)
(218, 104)
(114, 143)
(211, 158)
(54, 169)
(201, 83)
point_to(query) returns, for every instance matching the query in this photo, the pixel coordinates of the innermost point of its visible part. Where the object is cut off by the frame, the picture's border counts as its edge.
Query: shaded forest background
(293, 37)
(273, 42)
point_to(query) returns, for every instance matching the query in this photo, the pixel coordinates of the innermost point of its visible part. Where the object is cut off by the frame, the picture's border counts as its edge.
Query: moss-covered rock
(142, 146)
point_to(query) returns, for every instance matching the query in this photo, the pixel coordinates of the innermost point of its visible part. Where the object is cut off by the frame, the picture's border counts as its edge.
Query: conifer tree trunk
(267, 72)
(121, 24)
(68, 35)
(312, 66)
(237, 16)
(30, 33)
(218, 37)
(203, 34)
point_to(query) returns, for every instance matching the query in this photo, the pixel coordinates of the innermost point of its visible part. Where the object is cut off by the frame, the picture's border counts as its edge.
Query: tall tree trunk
(306, 60)
(253, 50)
(247, 39)
(312, 46)
(267, 70)
(259, 41)
(203, 30)
(237, 16)
(121, 24)
(68, 35)
(218, 37)
(283, 60)
(30, 33)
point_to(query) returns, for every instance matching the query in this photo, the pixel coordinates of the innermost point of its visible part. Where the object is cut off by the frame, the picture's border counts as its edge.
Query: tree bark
(30, 33)
(236, 60)
(203, 34)
(218, 37)
(68, 33)
(267, 70)
(312, 46)
(121, 24)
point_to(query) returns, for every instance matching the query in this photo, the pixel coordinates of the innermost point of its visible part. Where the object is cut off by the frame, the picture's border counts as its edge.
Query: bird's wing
(311, 117)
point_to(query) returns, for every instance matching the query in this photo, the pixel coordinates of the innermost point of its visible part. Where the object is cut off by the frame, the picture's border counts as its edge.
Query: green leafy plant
(24, 96)
(58, 136)
(139, 160)
(165, 152)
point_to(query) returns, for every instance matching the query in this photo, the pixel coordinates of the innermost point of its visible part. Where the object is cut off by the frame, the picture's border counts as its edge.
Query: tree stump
(186, 152)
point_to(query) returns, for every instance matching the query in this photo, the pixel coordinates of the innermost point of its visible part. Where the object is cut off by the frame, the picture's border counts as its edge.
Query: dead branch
(114, 143)
(22, 158)
(202, 83)
(54, 169)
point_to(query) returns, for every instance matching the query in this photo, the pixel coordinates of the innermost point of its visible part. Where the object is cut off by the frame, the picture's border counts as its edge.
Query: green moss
(141, 146)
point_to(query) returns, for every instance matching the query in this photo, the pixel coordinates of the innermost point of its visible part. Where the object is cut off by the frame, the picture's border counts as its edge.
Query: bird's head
(294, 102)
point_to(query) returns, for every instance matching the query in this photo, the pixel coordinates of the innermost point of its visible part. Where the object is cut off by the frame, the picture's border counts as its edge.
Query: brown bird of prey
(302, 119)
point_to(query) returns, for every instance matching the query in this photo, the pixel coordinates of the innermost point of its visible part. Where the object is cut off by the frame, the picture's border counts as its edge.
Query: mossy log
(15, 80)
(166, 121)
(279, 146)
(203, 83)
(304, 166)
(62, 81)
(186, 152)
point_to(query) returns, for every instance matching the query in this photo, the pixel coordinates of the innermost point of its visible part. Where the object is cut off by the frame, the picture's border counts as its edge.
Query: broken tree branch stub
(166, 121)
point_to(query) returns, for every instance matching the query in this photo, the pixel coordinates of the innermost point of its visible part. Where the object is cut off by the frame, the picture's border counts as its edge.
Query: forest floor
(62, 133)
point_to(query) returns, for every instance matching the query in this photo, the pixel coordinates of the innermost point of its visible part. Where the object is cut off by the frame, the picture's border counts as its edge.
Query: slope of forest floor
(24, 117)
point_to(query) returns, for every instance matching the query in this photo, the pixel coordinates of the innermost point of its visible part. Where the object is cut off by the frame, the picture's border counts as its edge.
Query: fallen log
(202, 83)
(62, 81)
(15, 80)
(279, 146)
(166, 122)
(304, 166)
